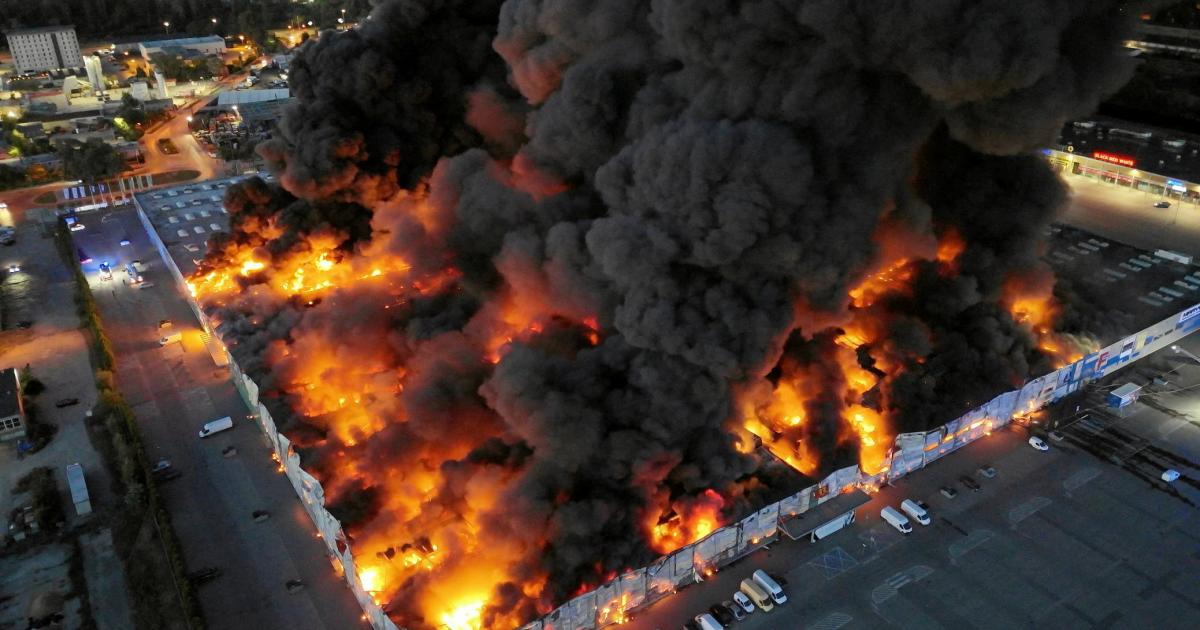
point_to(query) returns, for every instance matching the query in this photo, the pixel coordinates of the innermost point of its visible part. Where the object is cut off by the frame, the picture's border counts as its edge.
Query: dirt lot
(55, 349)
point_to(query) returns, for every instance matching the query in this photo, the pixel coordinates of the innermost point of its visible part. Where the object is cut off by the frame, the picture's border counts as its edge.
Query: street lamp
(1179, 350)
(166, 27)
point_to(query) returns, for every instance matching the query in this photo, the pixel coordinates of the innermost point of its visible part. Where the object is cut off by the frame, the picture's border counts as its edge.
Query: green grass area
(155, 569)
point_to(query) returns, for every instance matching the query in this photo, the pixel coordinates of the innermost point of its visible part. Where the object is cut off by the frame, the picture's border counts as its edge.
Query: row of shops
(1122, 170)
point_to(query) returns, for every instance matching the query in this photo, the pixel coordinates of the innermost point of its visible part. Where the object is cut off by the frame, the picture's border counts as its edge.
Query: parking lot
(1084, 535)
(174, 389)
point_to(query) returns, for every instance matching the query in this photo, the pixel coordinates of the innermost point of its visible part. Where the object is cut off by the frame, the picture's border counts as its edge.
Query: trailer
(79, 491)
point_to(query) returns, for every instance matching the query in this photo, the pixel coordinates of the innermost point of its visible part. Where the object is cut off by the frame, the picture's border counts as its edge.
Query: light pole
(1183, 351)
(166, 27)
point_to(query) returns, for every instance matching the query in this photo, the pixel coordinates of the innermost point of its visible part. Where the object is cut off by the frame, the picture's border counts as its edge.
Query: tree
(90, 161)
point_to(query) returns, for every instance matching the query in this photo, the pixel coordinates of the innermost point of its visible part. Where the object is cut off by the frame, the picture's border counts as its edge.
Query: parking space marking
(834, 562)
(976, 538)
(832, 621)
(1079, 478)
(1027, 509)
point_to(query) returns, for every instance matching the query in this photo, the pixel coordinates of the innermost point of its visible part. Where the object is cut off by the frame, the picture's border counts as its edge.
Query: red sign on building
(1113, 158)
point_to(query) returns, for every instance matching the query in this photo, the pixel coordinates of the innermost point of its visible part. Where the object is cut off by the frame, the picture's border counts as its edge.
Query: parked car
(161, 465)
(66, 402)
(164, 323)
(970, 483)
(167, 475)
(1056, 436)
(83, 257)
(1038, 443)
(207, 574)
(1170, 475)
(1162, 204)
(737, 611)
(949, 492)
(105, 271)
(740, 599)
(987, 471)
(721, 614)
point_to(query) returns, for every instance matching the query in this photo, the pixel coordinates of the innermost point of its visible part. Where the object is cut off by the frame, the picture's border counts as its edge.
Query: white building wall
(41, 50)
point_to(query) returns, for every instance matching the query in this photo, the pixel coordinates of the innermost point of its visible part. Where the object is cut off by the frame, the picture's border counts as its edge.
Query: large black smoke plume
(678, 193)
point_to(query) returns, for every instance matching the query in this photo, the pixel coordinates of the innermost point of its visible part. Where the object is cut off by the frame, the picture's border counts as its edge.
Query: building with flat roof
(181, 219)
(45, 48)
(12, 409)
(207, 45)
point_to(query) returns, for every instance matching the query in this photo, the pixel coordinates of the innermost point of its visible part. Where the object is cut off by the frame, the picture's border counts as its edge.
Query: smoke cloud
(539, 275)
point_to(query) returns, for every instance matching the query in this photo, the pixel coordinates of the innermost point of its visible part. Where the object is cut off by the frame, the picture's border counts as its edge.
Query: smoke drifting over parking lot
(537, 276)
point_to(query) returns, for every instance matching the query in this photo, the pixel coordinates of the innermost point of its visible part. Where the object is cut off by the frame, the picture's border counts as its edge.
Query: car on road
(14, 268)
(969, 482)
(948, 492)
(988, 471)
(721, 614)
(1170, 475)
(1038, 443)
(161, 465)
(737, 611)
(164, 323)
(76, 226)
(83, 257)
(124, 241)
(66, 402)
(105, 271)
(1162, 204)
(740, 599)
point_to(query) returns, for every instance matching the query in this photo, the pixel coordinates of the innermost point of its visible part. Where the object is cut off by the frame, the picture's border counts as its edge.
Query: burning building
(537, 278)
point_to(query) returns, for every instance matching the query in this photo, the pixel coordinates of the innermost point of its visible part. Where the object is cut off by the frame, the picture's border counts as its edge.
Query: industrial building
(12, 408)
(45, 48)
(207, 45)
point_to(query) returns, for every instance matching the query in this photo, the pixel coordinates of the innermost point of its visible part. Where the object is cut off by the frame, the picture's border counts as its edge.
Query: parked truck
(757, 594)
(896, 519)
(770, 586)
(216, 426)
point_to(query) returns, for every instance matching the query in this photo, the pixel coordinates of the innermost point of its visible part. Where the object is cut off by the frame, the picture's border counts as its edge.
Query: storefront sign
(1113, 158)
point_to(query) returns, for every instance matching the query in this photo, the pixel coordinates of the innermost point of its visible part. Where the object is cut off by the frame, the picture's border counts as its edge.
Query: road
(1085, 535)
(1129, 216)
(174, 390)
(191, 156)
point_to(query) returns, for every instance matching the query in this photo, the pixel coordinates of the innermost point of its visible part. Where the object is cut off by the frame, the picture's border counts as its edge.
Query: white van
(216, 426)
(708, 622)
(757, 595)
(770, 586)
(896, 519)
(170, 338)
(917, 512)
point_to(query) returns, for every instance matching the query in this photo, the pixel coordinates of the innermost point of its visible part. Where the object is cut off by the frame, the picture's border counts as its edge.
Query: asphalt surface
(1129, 216)
(174, 390)
(1085, 535)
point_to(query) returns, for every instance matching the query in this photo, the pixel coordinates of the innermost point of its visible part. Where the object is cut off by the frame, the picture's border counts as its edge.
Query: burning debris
(539, 277)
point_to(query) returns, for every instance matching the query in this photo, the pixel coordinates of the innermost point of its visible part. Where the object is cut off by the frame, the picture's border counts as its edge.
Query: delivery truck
(770, 586)
(896, 519)
(757, 595)
(216, 426)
